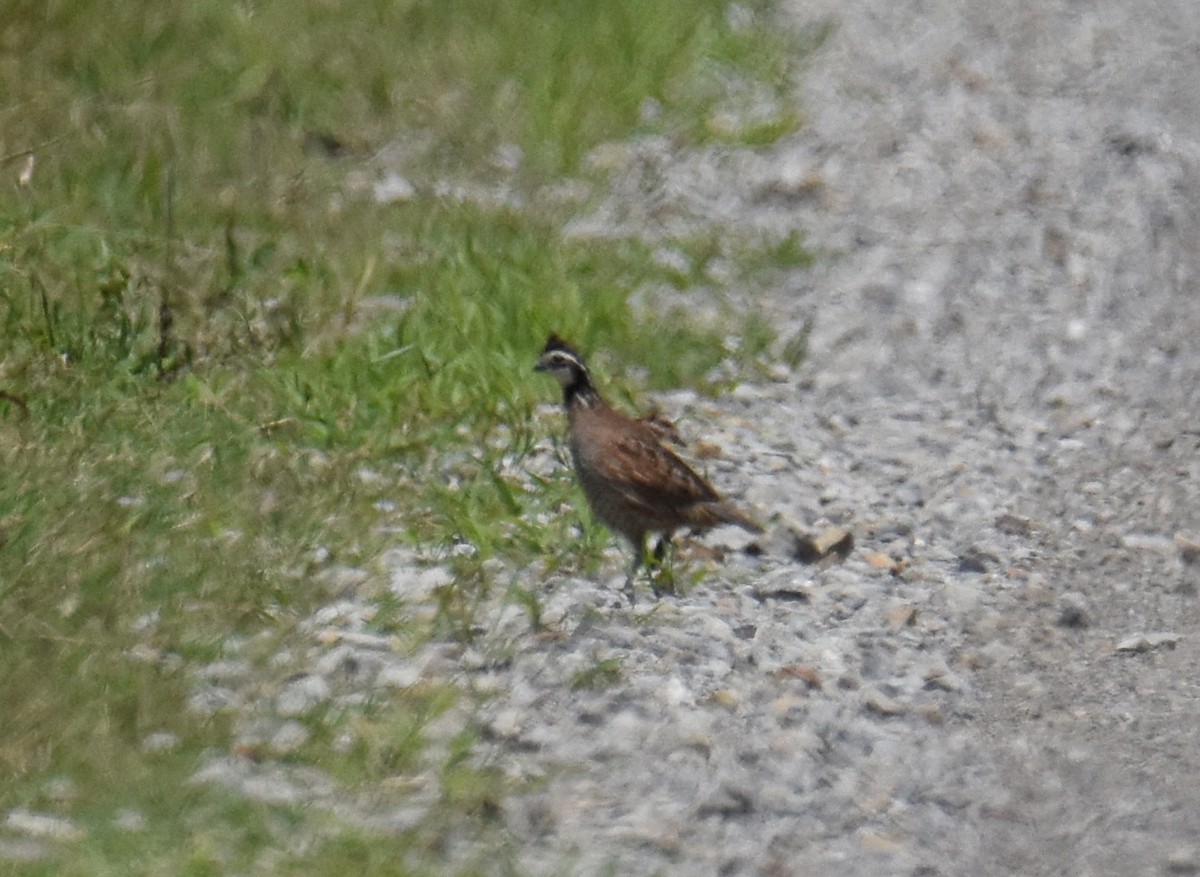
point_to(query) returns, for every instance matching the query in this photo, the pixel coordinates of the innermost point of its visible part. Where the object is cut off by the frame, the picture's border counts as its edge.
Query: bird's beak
(540, 367)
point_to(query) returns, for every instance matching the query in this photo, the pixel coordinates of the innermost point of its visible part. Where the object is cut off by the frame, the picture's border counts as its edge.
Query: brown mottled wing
(664, 430)
(650, 475)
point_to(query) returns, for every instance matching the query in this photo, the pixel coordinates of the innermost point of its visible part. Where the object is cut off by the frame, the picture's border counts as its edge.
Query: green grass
(605, 673)
(223, 369)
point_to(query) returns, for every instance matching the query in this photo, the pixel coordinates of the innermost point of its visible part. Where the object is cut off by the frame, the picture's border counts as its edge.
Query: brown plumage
(663, 428)
(632, 482)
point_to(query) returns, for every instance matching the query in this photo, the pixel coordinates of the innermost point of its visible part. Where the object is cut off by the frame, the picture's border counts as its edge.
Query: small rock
(507, 724)
(337, 660)
(419, 585)
(21, 850)
(788, 707)
(649, 110)
(159, 741)
(340, 579)
(879, 560)
(725, 699)
(807, 674)
(672, 259)
(975, 561)
(902, 616)
(1014, 525)
(60, 789)
(1029, 687)
(1185, 860)
(879, 843)
(508, 157)
(473, 659)
(676, 693)
(1189, 546)
(352, 665)
(226, 672)
(130, 820)
(1148, 542)
(1074, 613)
(943, 679)
(607, 157)
(1073, 616)
(960, 597)
(399, 675)
(876, 701)
(41, 825)
(1145, 642)
(264, 783)
(146, 622)
(783, 591)
(290, 737)
(850, 598)
(302, 695)
(830, 542)
(393, 188)
(727, 802)
(212, 699)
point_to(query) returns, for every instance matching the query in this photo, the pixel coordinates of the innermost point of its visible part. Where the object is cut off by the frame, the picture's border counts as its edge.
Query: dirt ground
(999, 402)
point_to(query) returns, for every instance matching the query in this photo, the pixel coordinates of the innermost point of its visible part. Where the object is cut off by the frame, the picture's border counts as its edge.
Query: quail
(634, 484)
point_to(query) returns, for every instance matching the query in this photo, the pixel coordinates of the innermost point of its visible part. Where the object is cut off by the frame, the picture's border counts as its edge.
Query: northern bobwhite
(632, 482)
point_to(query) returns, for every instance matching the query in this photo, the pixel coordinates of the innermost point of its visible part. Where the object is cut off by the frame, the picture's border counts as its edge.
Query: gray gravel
(999, 403)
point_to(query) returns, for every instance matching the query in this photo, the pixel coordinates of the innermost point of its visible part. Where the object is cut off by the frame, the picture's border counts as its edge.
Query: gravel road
(1000, 403)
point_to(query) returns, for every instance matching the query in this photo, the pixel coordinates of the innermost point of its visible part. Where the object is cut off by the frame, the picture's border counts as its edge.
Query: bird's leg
(660, 549)
(639, 557)
(663, 578)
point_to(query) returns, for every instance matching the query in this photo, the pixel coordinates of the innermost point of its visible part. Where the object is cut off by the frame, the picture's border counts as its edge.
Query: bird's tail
(727, 513)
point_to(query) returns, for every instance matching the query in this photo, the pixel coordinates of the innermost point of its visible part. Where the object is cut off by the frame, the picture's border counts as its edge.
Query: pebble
(213, 699)
(301, 696)
(878, 702)
(398, 674)
(1184, 860)
(1073, 612)
(227, 672)
(60, 789)
(340, 579)
(22, 849)
(160, 741)
(1189, 547)
(393, 188)
(42, 825)
(267, 784)
(1148, 542)
(419, 585)
(130, 820)
(1145, 642)
(290, 736)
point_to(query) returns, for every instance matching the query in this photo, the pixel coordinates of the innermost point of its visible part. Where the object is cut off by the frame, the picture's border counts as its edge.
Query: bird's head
(563, 362)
